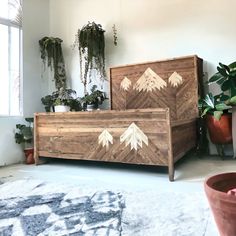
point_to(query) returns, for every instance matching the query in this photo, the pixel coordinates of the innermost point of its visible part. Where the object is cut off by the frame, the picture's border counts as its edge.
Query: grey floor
(190, 173)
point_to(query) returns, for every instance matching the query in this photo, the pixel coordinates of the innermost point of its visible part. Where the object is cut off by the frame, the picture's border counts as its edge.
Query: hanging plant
(51, 52)
(91, 44)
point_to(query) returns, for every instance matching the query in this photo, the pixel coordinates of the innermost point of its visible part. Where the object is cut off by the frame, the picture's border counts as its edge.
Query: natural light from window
(10, 57)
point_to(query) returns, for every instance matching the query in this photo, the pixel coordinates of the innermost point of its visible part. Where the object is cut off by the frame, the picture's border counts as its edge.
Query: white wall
(150, 30)
(147, 30)
(35, 26)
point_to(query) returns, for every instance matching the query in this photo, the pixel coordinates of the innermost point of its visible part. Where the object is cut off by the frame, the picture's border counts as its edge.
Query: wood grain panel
(75, 135)
(181, 100)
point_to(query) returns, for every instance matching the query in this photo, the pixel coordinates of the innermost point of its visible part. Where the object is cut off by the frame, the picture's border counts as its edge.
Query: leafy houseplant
(95, 98)
(51, 52)
(48, 102)
(24, 135)
(91, 44)
(226, 79)
(65, 97)
(218, 120)
(213, 105)
(62, 97)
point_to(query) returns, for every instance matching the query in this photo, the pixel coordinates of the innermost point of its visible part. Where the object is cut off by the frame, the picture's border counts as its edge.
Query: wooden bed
(143, 136)
(152, 120)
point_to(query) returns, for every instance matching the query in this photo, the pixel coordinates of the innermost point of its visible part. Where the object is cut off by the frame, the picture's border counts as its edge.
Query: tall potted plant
(218, 120)
(225, 77)
(90, 41)
(24, 136)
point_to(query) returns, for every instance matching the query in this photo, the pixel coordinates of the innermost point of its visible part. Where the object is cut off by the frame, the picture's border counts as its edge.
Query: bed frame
(144, 136)
(152, 120)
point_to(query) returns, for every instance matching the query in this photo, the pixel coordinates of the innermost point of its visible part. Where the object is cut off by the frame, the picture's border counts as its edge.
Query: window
(10, 57)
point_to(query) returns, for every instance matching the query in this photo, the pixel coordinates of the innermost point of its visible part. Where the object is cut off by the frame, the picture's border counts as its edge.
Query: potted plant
(74, 104)
(220, 191)
(92, 100)
(225, 77)
(63, 99)
(218, 120)
(91, 44)
(48, 102)
(51, 52)
(24, 135)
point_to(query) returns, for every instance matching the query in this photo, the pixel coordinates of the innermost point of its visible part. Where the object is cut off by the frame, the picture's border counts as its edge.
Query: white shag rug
(33, 207)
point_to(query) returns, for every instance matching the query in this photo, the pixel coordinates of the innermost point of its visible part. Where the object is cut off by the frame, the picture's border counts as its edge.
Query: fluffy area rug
(33, 207)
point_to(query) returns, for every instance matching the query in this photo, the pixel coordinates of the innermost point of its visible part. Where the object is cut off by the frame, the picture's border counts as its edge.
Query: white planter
(91, 107)
(61, 108)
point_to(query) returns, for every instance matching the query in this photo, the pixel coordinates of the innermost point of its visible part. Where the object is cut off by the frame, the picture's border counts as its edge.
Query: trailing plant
(51, 52)
(226, 79)
(91, 44)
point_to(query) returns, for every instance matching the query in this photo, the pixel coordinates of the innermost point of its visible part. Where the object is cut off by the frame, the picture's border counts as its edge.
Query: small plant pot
(61, 108)
(220, 131)
(29, 155)
(91, 107)
(223, 205)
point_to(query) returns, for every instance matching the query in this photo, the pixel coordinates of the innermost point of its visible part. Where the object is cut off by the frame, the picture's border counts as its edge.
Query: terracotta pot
(220, 131)
(29, 155)
(222, 204)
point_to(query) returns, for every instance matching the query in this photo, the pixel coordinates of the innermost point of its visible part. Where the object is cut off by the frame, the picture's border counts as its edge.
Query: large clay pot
(222, 204)
(220, 131)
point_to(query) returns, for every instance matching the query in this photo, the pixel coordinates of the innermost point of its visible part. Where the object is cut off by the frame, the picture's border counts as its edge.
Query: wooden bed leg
(171, 171)
(36, 158)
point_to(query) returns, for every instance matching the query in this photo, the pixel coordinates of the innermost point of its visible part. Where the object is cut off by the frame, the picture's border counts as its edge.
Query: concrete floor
(190, 173)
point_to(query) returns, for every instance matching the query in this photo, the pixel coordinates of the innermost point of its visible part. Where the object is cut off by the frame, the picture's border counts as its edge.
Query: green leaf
(218, 114)
(232, 66)
(232, 74)
(233, 100)
(215, 78)
(29, 119)
(226, 86)
(222, 71)
(206, 110)
(222, 107)
(224, 66)
(221, 81)
(224, 97)
(221, 97)
(209, 100)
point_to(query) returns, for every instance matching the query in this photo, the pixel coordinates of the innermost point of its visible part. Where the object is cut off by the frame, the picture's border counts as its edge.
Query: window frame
(10, 23)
